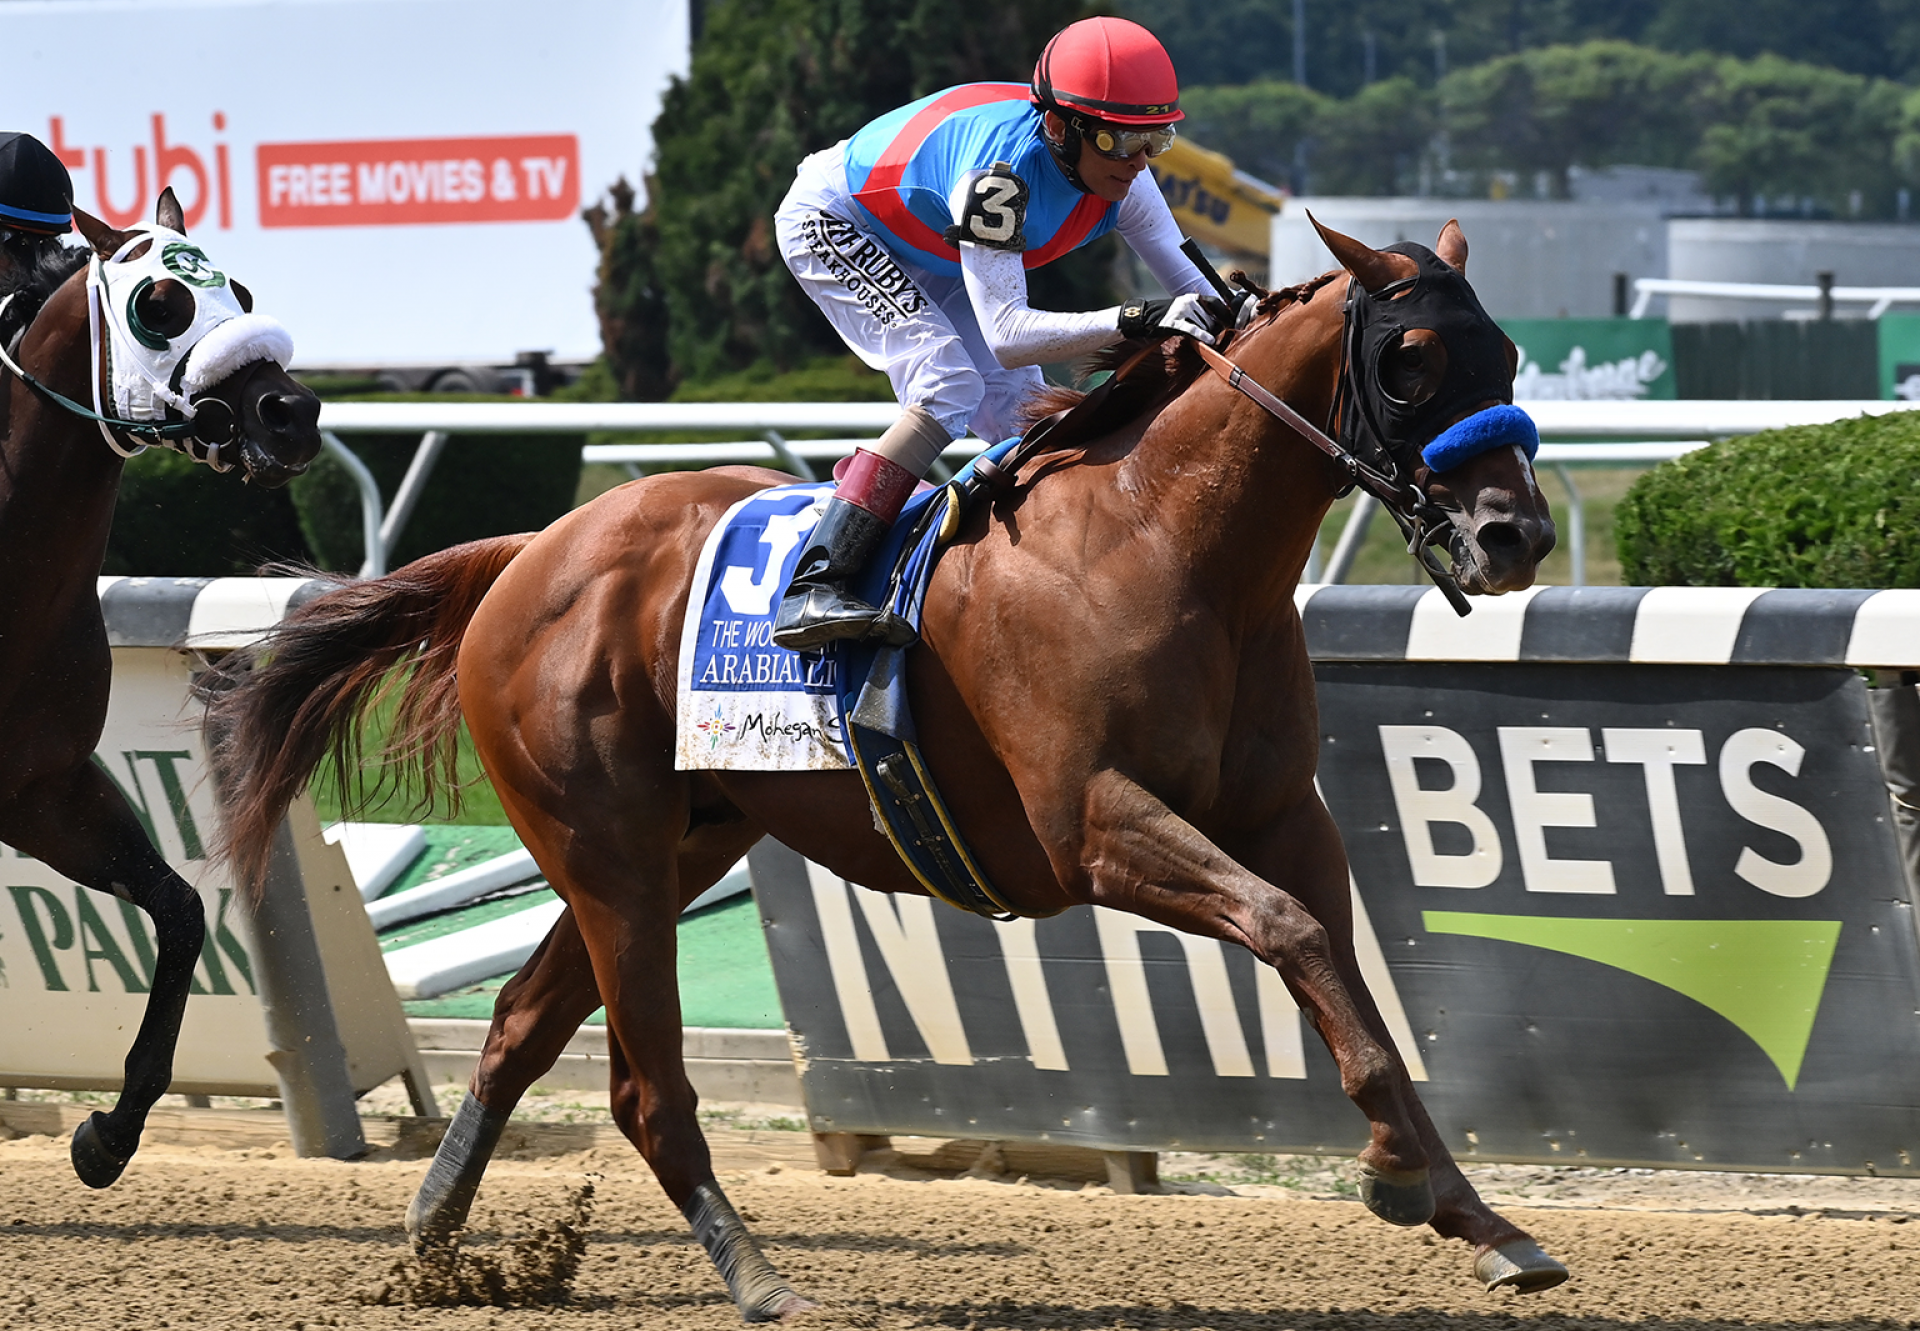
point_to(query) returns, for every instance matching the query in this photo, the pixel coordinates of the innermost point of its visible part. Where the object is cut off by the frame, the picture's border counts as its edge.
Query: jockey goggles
(1119, 143)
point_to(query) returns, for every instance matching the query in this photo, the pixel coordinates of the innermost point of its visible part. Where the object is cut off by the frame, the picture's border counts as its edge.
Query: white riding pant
(917, 326)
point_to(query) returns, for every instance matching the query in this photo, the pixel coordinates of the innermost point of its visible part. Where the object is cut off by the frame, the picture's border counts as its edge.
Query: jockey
(914, 236)
(36, 200)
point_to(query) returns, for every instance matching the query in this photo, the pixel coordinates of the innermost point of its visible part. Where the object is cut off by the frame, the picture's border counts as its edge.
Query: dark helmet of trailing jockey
(1107, 70)
(1375, 426)
(36, 193)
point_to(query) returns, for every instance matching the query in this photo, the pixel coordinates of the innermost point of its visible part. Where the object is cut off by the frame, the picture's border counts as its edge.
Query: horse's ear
(1452, 246)
(168, 212)
(1374, 268)
(104, 239)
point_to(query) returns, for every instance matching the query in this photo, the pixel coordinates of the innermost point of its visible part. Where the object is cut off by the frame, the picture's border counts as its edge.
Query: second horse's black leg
(80, 826)
(104, 1144)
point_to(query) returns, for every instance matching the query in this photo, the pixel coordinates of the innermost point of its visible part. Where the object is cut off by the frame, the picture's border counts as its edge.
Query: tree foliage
(1370, 143)
(695, 275)
(1761, 131)
(1592, 105)
(1777, 127)
(1261, 126)
(1246, 41)
(177, 518)
(1373, 142)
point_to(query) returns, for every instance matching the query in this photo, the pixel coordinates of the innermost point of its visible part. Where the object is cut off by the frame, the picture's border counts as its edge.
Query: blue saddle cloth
(747, 704)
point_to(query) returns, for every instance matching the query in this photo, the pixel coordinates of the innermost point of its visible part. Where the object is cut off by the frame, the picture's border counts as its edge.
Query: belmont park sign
(1625, 889)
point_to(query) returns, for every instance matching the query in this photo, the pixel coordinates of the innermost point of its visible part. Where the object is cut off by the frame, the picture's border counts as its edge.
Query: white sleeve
(1147, 225)
(1017, 334)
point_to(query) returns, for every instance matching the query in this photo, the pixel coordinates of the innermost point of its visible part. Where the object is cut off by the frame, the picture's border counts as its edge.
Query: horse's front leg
(1303, 850)
(1136, 854)
(79, 825)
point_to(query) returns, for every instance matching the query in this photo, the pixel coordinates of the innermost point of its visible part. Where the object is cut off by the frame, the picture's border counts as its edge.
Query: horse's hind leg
(631, 938)
(537, 1012)
(620, 950)
(80, 826)
(758, 1291)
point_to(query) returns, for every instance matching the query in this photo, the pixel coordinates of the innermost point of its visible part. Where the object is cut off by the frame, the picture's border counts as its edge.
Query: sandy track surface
(251, 1238)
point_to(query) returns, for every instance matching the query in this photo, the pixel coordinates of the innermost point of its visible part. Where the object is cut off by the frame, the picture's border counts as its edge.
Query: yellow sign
(1214, 203)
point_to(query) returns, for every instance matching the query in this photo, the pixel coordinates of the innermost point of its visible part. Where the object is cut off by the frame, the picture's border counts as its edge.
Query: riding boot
(819, 606)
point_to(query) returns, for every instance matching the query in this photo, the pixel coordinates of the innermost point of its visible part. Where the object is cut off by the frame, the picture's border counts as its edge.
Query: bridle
(135, 370)
(1422, 519)
(1390, 474)
(178, 435)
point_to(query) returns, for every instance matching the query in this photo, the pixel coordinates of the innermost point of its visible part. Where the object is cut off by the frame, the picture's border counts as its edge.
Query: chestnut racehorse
(58, 480)
(1112, 688)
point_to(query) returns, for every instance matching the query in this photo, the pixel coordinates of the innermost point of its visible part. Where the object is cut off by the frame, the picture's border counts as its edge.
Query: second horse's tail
(277, 710)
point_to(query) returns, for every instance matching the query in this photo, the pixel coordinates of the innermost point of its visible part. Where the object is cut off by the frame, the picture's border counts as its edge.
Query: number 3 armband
(993, 211)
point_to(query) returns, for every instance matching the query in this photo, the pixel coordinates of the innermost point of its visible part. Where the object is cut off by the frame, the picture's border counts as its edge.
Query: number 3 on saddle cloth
(748, 705)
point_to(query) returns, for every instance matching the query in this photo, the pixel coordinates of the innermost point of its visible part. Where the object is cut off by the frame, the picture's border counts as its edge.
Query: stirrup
(810, 617)
(891, 630)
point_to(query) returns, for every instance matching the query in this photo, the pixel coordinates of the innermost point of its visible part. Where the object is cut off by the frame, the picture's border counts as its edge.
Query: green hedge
(176, 518)
(483, 485)
(1813, 506)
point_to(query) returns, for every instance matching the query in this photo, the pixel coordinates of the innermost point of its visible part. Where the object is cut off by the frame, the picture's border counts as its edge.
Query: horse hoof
(1399, 1199)
(1522, 1266)
(778, 1307)
(93, 1160)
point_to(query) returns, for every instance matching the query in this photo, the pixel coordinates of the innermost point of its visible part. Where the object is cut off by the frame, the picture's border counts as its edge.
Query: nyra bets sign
(1611, 913)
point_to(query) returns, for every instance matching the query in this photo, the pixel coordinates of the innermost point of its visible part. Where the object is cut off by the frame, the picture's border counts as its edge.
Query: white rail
(1878, 299)
(1594, 433)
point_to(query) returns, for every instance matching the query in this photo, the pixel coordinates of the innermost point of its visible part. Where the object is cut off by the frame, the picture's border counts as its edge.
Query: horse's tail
(300, 697)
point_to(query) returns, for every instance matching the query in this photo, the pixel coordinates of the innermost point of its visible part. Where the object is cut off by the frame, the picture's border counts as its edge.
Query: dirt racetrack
(251, 1238)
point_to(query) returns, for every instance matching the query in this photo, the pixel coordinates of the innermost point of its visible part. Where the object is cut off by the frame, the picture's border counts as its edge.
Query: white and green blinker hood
(138, 373)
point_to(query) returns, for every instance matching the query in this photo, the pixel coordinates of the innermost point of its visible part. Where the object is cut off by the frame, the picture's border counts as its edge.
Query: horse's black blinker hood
(1390, 433)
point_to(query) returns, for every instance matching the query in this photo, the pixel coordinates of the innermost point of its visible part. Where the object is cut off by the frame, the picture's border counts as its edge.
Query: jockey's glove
(1186, 315)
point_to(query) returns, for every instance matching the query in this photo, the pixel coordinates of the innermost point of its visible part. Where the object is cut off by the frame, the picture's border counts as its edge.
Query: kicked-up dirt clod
(533, 1269)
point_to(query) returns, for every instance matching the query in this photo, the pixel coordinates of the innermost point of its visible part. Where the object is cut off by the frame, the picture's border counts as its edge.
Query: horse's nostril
(1501, 540)
(276, 413)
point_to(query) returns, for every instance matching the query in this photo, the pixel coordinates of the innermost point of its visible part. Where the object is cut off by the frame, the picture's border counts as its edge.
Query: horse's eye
(160, 311)
(244, 296)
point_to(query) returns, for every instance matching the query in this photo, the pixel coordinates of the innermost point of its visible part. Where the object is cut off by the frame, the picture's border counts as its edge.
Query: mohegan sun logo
(714, 728)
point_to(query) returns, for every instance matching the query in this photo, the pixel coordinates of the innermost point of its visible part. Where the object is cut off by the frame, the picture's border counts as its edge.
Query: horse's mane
(1143, 380)
(32, 284)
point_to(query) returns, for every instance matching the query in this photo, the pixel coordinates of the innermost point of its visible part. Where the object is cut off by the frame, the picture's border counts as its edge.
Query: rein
(1420, 519)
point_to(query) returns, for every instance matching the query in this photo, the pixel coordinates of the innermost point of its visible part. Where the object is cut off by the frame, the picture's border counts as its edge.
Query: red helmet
(1109, 70)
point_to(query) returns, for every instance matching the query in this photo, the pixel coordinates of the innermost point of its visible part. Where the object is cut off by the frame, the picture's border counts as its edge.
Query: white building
(1529, 259)
(1545, 260)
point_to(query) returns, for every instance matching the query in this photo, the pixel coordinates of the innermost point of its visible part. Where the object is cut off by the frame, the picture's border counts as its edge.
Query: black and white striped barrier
(1617, 626)
(1626, 887)
(292, 1002)
(1626, 879)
